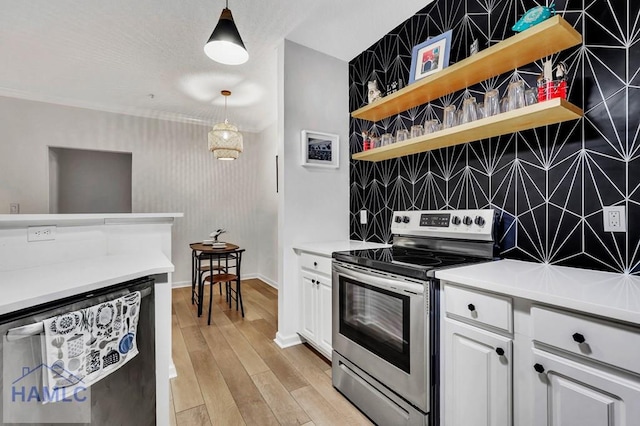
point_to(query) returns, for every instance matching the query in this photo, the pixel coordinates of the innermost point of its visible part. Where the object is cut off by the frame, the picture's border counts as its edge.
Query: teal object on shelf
(533, 17)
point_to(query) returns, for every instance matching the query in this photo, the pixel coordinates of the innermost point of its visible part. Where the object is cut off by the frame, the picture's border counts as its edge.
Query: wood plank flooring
(232, 373)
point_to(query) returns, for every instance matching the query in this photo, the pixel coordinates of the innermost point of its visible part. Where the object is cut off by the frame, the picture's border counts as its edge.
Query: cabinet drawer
(316, 263)
(479, 308)
(601, 340)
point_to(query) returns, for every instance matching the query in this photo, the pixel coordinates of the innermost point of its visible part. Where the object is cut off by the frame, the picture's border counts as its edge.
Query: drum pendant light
(225, 141)
(225, 44)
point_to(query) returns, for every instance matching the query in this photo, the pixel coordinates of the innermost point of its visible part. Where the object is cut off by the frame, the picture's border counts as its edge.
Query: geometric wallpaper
(548, 184)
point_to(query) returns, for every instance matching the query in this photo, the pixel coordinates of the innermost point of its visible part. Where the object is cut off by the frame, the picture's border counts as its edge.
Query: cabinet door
(324, 314)
(478, 381)
(568, 393)
(308, 302)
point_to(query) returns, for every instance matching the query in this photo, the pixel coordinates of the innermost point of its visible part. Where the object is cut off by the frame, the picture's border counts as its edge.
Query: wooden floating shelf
(541, 114)
(549, 37)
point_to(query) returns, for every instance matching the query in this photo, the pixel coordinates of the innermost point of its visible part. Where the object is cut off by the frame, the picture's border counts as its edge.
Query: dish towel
(82, 347)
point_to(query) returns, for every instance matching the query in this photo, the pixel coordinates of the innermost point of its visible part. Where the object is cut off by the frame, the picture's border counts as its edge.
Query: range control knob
(398, 219)
(467, 220)
(406, 219)
(479, 221)
(455, 220)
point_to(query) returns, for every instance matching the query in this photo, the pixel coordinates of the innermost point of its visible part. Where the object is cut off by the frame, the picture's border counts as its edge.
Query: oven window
(376, 319)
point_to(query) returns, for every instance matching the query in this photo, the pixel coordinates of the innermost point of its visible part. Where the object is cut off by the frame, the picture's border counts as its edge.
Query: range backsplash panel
(548, 184)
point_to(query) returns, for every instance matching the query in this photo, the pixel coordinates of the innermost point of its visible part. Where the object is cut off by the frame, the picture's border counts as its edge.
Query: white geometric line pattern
(549, 184)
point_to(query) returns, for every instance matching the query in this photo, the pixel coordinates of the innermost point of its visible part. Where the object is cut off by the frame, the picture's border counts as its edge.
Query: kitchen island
(44, 258)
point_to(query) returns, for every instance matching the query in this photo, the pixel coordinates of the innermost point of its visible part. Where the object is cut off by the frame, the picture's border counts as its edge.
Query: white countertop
(7, 220)
(325, 248)
(606, 294)
(23, 288)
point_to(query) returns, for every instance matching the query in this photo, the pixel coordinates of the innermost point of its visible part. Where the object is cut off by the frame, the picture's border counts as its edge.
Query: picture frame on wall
(430, 56)
(319, 149)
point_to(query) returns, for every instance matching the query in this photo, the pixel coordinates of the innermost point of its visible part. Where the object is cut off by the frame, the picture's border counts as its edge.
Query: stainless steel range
(386, 312)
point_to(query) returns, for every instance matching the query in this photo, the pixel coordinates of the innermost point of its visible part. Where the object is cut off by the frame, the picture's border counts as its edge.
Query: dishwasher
(127, 396)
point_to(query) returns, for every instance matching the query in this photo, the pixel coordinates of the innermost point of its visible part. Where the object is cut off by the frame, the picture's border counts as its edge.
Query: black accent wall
(549, 184)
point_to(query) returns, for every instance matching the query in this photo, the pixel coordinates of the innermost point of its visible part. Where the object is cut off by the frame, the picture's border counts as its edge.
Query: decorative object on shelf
(534, 16)
(373, 93)
(548, 88)
(225, 141)
(430, 56)
(366, 142)
(225, 44)
(319, 149)
(394, 86)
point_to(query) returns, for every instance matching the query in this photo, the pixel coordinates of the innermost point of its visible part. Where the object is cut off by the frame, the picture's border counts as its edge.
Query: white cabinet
(569, 393)
(477, 357)
(315, 302)
(586, 370)
(477, 376)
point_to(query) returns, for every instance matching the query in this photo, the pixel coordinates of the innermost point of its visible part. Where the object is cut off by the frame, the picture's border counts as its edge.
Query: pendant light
(225, 141)
(225, 44)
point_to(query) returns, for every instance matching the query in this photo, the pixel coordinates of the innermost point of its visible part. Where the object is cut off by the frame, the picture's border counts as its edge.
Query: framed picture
(430, 56)
(319, 149)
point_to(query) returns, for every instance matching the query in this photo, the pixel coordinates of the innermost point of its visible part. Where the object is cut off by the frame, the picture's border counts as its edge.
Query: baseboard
(172, 370)
(287, 341)
(264, 279)
(271, 283)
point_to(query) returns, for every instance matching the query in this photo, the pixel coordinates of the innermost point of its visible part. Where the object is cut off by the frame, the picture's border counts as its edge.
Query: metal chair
(232, 261)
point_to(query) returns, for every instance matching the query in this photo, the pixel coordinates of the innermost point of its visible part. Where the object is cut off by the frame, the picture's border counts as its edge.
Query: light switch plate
(363, 217)
(615, 218)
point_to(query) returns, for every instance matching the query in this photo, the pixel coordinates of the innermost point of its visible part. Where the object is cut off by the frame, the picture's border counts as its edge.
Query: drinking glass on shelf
(480, 109)
(402, 135)
(387, 139)
(458, 117)
(530, 96)
(491, 103)
(504, 104)
(516, 95)
(416, 131)
(449, 119)
(469, 111)
(431, 126)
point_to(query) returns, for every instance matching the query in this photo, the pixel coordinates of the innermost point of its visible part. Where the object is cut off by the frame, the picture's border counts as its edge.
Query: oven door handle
(379, 279)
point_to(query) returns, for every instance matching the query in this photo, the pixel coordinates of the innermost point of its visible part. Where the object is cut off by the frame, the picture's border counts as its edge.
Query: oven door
(380, 324)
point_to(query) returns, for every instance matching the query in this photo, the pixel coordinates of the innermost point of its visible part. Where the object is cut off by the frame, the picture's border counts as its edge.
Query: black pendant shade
(225, 44)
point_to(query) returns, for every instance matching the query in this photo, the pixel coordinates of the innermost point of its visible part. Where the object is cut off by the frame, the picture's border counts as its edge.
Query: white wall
(313, 94)
(172, 172)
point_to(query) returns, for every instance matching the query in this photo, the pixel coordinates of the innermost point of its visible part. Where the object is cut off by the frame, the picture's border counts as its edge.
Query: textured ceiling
(145, 57)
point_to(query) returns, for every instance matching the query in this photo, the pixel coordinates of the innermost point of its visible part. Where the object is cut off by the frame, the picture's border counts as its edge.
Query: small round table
(201, 251)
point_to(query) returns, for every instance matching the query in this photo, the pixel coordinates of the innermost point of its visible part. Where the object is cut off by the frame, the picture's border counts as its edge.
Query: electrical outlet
(14, 208)
(41, 233)
(615, 219)
(363, 217)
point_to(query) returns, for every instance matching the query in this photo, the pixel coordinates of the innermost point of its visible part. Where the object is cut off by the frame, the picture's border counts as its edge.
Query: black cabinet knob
(313, 281)
(579, 338)
(538, 367)
(315, 263)
(471, 307)
(500, 351)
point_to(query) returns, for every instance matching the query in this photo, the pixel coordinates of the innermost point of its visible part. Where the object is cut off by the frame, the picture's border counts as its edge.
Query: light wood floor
(232, 373)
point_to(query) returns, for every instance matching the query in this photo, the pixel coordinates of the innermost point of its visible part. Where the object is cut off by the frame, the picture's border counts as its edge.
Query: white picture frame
(320, 149)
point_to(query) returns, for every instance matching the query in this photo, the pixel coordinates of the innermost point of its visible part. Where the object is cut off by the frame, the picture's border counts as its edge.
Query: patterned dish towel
(84, 346)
